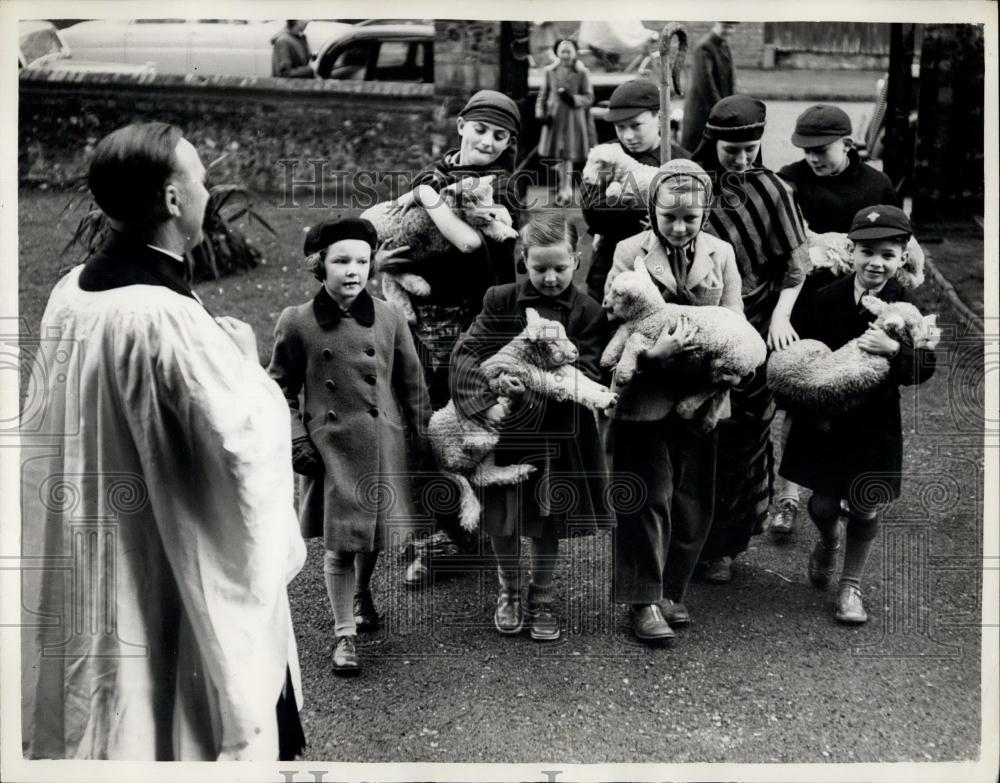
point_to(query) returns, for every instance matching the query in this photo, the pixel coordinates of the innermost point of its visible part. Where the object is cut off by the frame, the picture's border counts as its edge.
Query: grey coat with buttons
(361, 386)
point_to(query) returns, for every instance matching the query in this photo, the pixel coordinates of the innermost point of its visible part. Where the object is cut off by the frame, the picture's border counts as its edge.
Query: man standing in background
(290, 56)
(712, 79)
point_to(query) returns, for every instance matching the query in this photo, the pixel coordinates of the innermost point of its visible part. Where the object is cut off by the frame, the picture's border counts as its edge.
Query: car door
(402, 61)
(229, 47)
(348, 61)
(165, 42)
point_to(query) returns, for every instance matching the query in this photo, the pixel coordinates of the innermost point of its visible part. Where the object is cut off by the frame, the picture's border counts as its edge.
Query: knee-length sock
(507, 550)
(338, 573)
(544, 553)
(861, 533)
(364, 567)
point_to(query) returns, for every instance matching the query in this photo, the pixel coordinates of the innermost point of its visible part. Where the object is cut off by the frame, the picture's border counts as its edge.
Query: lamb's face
(628, 292)
(552, 346)
(494, 221)
(904, 323)
(599, 166)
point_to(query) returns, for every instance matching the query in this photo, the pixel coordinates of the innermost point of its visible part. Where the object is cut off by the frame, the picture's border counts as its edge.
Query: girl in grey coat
(352, 359)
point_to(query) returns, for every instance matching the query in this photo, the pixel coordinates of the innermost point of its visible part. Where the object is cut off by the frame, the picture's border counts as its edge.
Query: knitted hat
(321, 236)
(819, 125)
(736, 118)
(494, 107)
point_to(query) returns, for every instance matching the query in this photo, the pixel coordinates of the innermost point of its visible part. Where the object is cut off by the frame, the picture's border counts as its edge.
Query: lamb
(727, 346)
(541, 357)
(808, 376)
(415, 229)
(832, 250)
(628, 181)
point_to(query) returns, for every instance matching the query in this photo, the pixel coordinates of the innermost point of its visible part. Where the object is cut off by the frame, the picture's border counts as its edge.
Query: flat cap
(631, 99)
(819, 125)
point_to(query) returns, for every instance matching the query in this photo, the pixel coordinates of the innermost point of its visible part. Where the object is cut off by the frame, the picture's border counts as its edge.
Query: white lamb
(808, 376)
(627, 180)
(472, 200)
(540, 356)
(727, 348)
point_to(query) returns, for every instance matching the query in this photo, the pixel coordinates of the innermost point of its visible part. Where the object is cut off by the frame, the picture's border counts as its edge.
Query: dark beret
(321, 236)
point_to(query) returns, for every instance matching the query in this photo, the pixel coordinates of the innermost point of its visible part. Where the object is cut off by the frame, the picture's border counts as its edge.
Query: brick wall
(271, 131)
(746, 41)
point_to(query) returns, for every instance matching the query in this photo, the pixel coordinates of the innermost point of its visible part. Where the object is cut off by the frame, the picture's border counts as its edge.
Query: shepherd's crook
(670, 69)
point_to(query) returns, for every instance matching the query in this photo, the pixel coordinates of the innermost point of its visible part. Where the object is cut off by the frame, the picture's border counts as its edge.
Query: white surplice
(157, 502)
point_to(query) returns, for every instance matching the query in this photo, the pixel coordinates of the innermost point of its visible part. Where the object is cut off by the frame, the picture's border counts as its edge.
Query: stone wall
(267, 132)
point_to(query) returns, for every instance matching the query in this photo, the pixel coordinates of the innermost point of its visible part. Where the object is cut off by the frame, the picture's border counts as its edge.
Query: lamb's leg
(470, 508)
(568, 383)
(413, 284)
(613, 350)
(636, 344)
(395, 295)
(488, 473)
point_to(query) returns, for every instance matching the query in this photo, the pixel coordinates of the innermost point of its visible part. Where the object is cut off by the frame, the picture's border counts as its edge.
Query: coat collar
(659, 265)
(126, 260)
(328, 312)
(528, 295)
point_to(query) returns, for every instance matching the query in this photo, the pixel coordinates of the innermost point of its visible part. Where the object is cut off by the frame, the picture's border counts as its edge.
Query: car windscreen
(38, 44)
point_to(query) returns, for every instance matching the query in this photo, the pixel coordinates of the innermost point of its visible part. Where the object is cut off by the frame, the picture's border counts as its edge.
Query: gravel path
(763, 675)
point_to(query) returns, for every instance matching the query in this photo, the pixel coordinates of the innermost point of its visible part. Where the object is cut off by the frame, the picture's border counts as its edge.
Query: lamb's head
(604, 162)
(632, 294)
(471, 191)
(831, 250)
(493, 220)
(550, 345)
(903, 322)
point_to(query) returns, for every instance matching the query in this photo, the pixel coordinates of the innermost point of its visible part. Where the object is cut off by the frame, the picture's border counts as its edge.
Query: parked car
(41, 47)
(242, 47)
(380, 52)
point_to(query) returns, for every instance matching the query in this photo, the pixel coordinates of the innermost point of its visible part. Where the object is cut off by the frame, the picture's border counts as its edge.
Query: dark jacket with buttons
(361, 387)
(859, 453)
(558, 438)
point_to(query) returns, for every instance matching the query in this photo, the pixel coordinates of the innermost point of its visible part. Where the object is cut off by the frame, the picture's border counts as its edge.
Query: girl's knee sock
(861, 533)
(507, 550)
(823, 512)
(338, 573)
(364, 567)
(544, 554)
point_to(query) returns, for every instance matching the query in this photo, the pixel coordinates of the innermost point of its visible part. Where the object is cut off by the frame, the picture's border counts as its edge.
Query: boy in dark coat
(831, 183)
(634, 109)
(559, 438)
(711, 80)
(857, 456)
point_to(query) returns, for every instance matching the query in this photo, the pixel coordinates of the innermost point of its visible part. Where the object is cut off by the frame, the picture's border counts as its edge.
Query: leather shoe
(366, 616)
(675, 613)
(345, 657)
(417, 573)
(508, 618)
(850, 607)
(543, 623)
(783, 521)
(648, 624)
(720, 570)
(822, 561)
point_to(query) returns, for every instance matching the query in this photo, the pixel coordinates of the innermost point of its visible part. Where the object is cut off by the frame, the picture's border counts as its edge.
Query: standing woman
(757, 214)
(563, 108)
(488, 126)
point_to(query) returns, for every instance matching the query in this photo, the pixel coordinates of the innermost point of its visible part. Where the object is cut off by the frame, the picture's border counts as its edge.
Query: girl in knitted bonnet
(658, 541)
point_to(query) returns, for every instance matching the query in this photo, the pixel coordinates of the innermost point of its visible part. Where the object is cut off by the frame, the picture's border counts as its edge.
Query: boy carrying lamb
(857, 456)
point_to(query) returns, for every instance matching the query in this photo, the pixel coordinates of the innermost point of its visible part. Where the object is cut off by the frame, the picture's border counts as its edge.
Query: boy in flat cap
(634, 109)
(353, 361)
(831, 183)
(856, 456)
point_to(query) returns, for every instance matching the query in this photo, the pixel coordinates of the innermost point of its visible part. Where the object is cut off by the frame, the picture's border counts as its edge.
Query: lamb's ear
(640, 266)
(933, 332)
(534, 322)
(873, 304)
